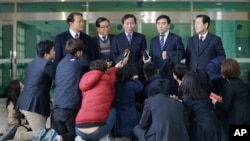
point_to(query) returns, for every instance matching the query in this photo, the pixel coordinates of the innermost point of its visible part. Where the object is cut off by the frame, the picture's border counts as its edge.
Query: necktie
(129, 38)
(162, 41)
(103, 38)
(76, 36)
(200, 42)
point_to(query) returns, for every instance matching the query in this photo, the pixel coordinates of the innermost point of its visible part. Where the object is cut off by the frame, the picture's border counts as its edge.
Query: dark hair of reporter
(191, 85)
(98, 64)
(155, 91)
(44, 47)
(150, 69)
(180, 70)
(230, 68)
(12, 92)
(126, 73)
(74, 45)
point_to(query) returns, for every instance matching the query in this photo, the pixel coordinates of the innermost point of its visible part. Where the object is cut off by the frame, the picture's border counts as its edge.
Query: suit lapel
(125, 41)
(167, 41)
(196, 43)
(69, 35)
(205, 42)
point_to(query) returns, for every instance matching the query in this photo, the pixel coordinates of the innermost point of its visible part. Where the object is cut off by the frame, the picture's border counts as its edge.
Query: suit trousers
(63, 122)
(36, 121)
(139, 133)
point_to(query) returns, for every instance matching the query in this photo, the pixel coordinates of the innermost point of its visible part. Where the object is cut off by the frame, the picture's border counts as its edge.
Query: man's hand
(148, 60)
(164, 55)
(122, 62)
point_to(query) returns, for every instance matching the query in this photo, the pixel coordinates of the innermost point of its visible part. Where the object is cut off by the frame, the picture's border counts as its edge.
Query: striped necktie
(162, 40)
(129, 38)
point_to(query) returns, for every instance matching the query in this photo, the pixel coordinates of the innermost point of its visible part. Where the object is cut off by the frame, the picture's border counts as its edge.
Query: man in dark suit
(67, 96)
(102, 41)
(162, 119)
(34, 102)
(202, 48)
(166, 50)
(132, 41)
(76, 24)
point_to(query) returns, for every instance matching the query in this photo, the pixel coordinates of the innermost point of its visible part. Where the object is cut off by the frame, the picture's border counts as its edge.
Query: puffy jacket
(98, 93)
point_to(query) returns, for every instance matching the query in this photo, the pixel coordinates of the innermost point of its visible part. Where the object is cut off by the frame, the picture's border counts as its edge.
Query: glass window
(20, 42)
(244, 68)
(1, 40)
(1, 77)
(1, 32)
(7, 7)
(51, 6)
(222, 6)
(139, 6)
(38, 38)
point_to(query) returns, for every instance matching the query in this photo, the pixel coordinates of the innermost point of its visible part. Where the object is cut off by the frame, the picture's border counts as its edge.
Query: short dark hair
(180, 70)
(125, 17)
(230, 68)
(155, 91)
(44, 47)
(74, 45)
(205, 19)
(191, 85)
(98, 64)
(163, 17)
(70, 17)
(99, 20)
(150, 69)
(126, 73)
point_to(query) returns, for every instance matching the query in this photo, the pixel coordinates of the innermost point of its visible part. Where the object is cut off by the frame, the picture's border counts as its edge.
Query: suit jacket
(68, 74)
(156, 81)
(175, 52)
(163, 119)
(124, 103)
(60, 43)
(96, 46)
(197, 60)
(138, 44)
(120, 43)
(205, 126)
(236, 103)
(35, 96)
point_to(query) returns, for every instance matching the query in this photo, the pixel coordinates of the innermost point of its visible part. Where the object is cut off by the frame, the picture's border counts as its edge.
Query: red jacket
(98, 93)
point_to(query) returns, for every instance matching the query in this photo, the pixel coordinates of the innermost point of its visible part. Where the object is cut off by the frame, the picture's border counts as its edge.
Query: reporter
(96, 116)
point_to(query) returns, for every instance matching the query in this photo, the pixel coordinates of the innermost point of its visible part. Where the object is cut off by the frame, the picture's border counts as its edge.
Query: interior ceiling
(31, 6)
(125, 5)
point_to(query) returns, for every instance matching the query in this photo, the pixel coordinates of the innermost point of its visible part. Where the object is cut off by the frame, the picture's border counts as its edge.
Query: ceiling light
(219, 3)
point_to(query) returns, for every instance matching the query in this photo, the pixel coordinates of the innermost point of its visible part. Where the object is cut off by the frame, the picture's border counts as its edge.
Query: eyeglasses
(104, 27)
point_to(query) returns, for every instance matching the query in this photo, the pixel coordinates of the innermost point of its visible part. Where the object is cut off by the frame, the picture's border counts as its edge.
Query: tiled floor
(3, 115)
(3, 119)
